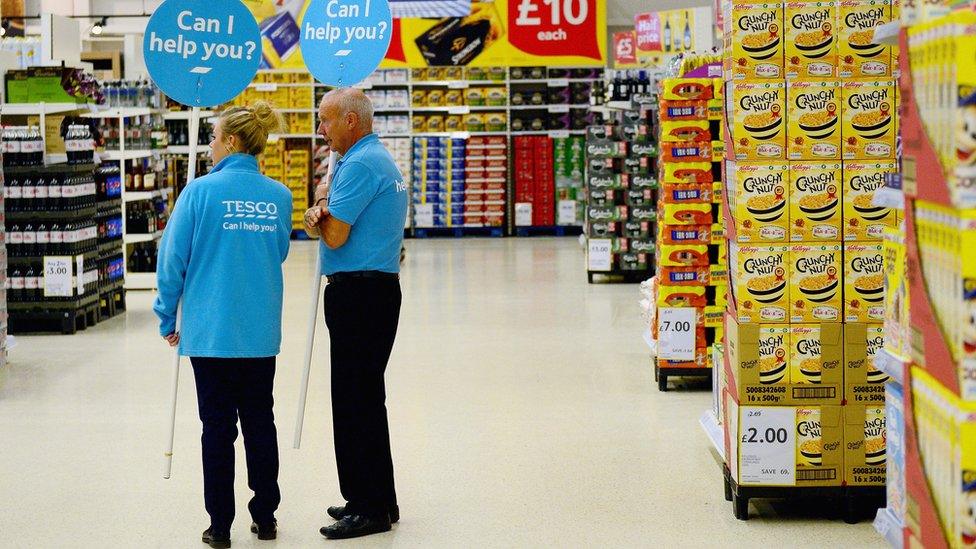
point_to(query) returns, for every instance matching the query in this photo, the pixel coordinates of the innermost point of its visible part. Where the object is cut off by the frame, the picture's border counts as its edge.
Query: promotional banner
(668, 31)
(647, 27)
(343, 41)
(401, 9)
(624, 49)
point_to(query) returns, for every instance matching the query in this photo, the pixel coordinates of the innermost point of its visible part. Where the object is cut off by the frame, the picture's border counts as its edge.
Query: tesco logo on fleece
(250, 210)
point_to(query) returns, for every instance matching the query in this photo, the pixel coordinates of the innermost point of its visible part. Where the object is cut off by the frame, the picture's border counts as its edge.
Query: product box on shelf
(865, 438)
(863, 382)
(815, 289)
(870, 117)
(759, 280)
(759, 366)
(859, 56)
(813, 115)
(758, 127)
(862, 219)
(759, 193)
(864, 293)
(811, 39)
(815, 201)
(897, 323)
(784, 445)
(895, 451)
(753, 37)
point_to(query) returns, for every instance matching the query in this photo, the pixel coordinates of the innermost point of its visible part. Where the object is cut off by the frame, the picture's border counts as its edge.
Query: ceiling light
(98, 26)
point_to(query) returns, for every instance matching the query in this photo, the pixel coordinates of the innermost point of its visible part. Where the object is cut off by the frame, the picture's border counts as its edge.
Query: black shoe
(266, 532)
(340, 511)
(354, 526)
(217, 542)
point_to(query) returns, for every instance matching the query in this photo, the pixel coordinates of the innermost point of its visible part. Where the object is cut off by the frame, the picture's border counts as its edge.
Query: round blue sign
(343, 41)
(202, 53)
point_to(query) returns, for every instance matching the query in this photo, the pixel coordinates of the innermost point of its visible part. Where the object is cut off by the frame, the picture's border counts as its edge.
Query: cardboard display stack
(621, 192)
(290, 162)
(691, 259)
(812, 118)
(570, 163)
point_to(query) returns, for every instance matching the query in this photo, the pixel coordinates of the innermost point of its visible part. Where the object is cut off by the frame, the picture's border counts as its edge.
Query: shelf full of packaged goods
(456, 135)
(185, 115)
(134, 238)
(24, 109)
(456, 84)
(121, 112)
(459, 109)
(371, 85)
(553, 82)
(126, 155)
(549, 107)
(140, 281)
(276, 136)
(713, 430)
(133, 196)
(552, 133)
(185, 149)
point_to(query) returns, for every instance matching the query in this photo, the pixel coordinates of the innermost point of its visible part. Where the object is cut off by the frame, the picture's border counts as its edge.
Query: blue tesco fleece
(221, 254)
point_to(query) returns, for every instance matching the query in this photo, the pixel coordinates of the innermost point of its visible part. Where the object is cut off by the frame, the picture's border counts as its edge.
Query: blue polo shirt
(369, 194)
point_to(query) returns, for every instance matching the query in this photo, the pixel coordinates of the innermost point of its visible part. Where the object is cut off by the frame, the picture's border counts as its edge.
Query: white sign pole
(312, 317)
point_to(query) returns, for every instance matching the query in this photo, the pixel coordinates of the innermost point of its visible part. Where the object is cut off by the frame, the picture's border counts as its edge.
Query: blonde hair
(251, 125)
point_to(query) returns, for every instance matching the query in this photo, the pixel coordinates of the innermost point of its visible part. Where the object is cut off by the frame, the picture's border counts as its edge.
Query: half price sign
(554, 27)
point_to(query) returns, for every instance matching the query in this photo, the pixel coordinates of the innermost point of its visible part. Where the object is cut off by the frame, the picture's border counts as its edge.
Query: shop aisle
(522, 405)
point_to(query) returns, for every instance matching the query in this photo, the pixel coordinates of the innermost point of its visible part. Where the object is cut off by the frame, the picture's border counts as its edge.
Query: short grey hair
(352, 100)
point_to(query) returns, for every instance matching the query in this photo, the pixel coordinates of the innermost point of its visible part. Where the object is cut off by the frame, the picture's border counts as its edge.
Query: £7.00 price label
(767, 446)
(676, 327)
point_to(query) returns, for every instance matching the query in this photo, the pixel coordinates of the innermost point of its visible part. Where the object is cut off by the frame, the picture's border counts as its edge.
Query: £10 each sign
(556, 27)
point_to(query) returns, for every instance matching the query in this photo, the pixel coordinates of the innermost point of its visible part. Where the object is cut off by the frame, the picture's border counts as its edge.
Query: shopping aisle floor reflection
(522, 407)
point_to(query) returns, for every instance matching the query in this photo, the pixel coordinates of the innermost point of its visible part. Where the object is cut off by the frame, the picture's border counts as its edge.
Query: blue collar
(363, 141)
(237, 162)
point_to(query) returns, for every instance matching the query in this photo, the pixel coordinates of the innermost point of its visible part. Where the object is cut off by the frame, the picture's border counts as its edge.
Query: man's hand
(173, 339)
(321, 193)
(314, 216)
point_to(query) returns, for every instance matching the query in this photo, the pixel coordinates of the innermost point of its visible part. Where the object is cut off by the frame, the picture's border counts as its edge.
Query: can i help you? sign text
(343, 41)
(202, 53)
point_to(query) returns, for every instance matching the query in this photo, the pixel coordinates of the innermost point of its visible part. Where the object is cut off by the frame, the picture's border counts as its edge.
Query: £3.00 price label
(57, 276)
(598, 256)
(767, 446)
(676, 327)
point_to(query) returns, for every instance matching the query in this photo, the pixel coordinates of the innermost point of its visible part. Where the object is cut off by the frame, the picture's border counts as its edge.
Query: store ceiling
(621, 12)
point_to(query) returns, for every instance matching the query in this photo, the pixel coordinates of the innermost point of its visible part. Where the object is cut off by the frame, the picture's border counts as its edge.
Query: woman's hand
(173, 339)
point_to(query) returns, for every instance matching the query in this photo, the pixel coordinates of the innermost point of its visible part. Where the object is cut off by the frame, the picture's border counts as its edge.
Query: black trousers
(362, 315)
(228, 389)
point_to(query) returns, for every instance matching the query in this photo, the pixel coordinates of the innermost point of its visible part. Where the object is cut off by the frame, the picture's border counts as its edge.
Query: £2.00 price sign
(676, 327)
(767, 446)
(556, 27)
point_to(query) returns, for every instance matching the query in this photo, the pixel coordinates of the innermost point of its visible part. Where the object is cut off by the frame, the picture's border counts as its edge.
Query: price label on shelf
(598, 256)
(767, 447)
(566, 212)
(266, 87)
(676, 333)
(559, 134)
(57, 276)
(559, 109)
(457, 85)
(423, 215)
(459, 110)
(523, 214)
(557, 82)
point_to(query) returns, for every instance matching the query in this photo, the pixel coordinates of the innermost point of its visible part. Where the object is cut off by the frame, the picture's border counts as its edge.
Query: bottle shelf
(121, 112)
(185, 115)
(185, 149)
(135, 154)
(134, 196)
(25, 109)
(52, 215)
(135, 238)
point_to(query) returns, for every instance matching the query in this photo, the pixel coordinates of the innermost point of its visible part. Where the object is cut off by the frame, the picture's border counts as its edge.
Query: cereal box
(815, 201)
(870, 119)
(761, 201)
(758, 126)
(755, 33)
(760, 282)
(864, 282)
(859, 56)
(862, 219)
(896, 303)
(813, 115)
(863, 383)
(865, 437)
(815, 283)
(811, 39)
(815, 355)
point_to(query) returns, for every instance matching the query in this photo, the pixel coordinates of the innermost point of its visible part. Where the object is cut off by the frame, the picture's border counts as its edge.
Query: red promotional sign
(624, 52)
(554, 27)
(648, 31)
(395, 52)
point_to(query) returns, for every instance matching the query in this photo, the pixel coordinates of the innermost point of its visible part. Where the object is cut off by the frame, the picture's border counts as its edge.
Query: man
(360, 220)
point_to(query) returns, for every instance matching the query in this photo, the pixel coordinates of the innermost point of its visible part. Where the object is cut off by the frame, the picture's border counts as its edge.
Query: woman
(221, 255)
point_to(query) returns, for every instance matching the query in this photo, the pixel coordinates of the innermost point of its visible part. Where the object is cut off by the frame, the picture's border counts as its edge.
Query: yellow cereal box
(813, 113)
(811, 39)
(859, 56)
(815, 283)
(870, 119)
(865, 434)
(815, 201)
(760, 282)
(805, 359)
(809, 444)
(862, 219)
(863, 282)
(875, 342)
(761, 195)
(758, 126)
(774, 345)
(755, 33)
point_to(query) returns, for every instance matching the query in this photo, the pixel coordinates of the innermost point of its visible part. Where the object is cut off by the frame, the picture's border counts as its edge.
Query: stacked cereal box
(691, 263)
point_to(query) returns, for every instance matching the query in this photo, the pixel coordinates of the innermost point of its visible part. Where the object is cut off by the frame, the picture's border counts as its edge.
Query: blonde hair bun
(269, 119)
(251, 125)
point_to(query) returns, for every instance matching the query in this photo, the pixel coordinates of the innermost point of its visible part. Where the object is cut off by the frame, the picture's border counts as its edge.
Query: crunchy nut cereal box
(761, 201)
(859, 56)
(774, 355)
(813, 112)
(862, 219)
(760, 282)
(815, 201)
(759, 125)
(865, 455)
(805, 354)
(815, 283)
(863, 282)
(811, 39)
(809, 444)
(870, 119)
(754, 38)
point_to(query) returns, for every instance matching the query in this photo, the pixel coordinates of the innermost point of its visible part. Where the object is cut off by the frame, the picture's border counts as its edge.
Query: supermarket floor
(522, 404)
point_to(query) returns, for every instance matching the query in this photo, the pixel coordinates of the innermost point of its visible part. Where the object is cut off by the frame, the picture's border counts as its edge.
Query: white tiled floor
(522, 405)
